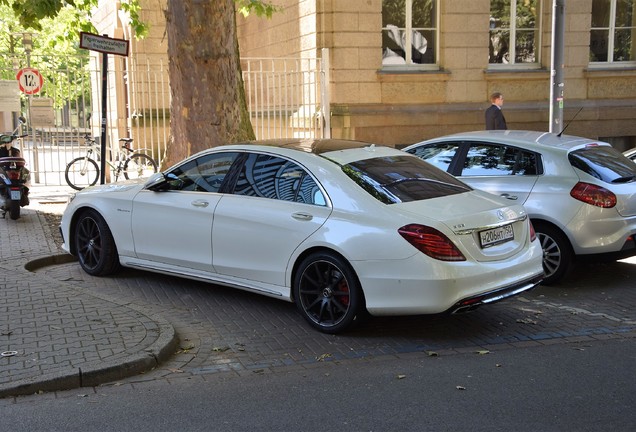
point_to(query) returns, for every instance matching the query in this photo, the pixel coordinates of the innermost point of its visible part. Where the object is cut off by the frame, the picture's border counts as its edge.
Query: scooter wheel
(14, 209)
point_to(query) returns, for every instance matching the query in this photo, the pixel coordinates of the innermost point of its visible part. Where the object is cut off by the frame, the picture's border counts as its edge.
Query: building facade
(461, 52)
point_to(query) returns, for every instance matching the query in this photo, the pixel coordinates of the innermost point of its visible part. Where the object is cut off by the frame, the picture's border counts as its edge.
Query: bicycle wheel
(139, 165)
(81, 172)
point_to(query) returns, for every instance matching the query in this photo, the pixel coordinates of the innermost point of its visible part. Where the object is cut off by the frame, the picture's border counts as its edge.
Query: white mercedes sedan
(341, 228)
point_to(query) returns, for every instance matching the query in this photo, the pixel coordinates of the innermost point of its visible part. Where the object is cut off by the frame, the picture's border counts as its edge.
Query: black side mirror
(162, 182)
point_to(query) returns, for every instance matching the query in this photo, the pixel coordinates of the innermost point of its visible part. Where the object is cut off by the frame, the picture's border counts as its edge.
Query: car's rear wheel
(558, 257)
(327, 292)
(95, 246)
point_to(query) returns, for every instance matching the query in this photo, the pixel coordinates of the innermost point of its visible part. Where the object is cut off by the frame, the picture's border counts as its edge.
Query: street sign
(103, 44)
(30, 81)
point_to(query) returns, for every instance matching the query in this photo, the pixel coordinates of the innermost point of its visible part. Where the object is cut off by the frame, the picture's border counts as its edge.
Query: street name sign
(103, 44)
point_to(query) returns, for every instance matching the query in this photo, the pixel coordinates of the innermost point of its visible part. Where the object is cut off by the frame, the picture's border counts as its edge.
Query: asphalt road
(586, 386)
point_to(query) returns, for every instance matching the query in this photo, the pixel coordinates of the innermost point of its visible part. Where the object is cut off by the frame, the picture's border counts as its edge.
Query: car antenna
(566, 126)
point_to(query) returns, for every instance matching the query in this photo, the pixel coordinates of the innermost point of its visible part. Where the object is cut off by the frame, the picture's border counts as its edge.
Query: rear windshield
(405, 178)
(604, 163)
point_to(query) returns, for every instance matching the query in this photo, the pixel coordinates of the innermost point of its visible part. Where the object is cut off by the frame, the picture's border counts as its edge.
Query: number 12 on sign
(30, 81)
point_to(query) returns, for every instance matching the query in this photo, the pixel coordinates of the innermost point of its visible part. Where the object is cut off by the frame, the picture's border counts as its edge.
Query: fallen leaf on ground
(322, 357)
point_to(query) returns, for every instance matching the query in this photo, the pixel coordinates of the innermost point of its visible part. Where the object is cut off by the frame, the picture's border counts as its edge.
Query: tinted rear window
(402, 179)
(604, 163)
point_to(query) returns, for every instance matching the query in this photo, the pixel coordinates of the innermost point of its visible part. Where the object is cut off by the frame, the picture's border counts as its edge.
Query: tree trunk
(208, 98)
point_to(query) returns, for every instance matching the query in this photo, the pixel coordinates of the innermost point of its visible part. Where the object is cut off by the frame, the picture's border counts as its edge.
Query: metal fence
(286, 98)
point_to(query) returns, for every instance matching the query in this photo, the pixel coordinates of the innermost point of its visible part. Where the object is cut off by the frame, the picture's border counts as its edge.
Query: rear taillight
(431, 242)
(533, 234)
(594, 195)
(13, 175)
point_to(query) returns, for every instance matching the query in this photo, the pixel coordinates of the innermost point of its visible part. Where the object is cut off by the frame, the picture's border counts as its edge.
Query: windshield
(604, 163)
(405, 178)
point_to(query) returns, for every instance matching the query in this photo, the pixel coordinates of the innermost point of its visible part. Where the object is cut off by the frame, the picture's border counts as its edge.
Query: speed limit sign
(29, 80)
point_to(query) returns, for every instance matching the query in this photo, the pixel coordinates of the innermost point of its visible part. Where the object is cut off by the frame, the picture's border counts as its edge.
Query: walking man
(494, 117)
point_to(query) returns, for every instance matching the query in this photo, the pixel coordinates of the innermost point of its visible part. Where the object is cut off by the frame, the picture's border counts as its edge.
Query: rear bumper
(423, 286)
(628, 250)
(471, 303)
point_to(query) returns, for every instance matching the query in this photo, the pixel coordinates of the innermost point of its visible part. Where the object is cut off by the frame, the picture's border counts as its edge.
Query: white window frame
(410, 66)
(610, 42)
(513, 37)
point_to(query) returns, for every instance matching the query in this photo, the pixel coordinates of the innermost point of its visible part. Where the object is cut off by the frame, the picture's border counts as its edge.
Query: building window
(515, 32)
(409, 23)
(613, 30)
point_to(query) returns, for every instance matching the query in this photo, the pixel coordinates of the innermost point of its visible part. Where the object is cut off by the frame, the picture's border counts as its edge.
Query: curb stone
(161, 339)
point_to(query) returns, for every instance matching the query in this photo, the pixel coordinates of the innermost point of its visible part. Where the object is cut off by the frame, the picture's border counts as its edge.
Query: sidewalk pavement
(54, 336)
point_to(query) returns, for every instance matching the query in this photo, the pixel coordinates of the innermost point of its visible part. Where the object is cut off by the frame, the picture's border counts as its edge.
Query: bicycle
(84, 171)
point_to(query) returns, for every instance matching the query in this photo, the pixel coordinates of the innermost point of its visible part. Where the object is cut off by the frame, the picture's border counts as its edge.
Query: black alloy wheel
(95, 245)
(328, 293)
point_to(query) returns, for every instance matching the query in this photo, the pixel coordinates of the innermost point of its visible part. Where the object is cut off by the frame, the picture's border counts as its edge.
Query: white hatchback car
(580, 193)
(338, 227)
(631, 154)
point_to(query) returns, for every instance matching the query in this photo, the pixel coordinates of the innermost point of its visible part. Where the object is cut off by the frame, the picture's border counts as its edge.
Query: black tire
(14, 209)
(139, 165)
(558, 256)
(94, 245)
(327, 292)
(81, 172)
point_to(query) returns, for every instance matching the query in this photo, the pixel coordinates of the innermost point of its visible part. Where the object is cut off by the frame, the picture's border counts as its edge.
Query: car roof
(523, 138)
(339, 151)
(313, 145)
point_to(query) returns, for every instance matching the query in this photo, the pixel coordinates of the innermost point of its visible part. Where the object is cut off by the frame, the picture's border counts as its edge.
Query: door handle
(200, 203)
(510, 197)
(302, 216)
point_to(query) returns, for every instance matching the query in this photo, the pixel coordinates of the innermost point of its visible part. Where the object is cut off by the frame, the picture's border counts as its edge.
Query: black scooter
(14, 176)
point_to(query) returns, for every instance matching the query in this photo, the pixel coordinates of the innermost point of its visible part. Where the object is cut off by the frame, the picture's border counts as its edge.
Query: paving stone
(58, 329)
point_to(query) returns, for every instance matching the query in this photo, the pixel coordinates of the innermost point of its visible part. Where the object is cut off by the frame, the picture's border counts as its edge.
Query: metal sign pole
(105, 45)
(102, 177)
(556, 77)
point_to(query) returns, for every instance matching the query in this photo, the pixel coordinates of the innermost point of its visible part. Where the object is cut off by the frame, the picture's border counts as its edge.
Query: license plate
(15, 195)
(496, 236)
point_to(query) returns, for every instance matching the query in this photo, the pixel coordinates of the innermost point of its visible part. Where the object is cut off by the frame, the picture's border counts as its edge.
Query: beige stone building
(461, 51)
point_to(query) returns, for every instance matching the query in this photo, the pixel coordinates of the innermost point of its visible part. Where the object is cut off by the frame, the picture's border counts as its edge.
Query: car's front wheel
(95, 246)
(327, 292)
(558, 257)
